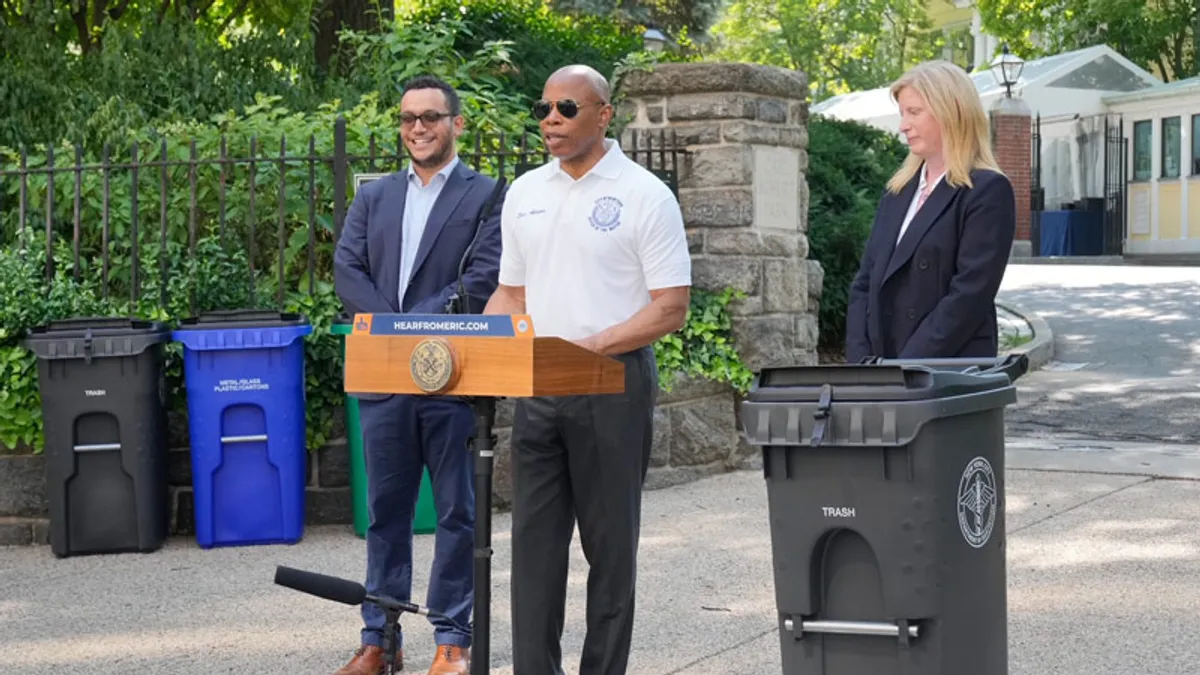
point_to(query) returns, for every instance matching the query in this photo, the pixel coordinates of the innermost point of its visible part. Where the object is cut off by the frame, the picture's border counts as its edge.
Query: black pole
(392, 617)
(484, 442)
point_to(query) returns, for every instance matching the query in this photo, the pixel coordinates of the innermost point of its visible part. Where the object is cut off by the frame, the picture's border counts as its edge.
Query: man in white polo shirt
(594, 250)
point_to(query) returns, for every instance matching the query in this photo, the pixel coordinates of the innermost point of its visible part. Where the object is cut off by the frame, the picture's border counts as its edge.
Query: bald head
(581, 74)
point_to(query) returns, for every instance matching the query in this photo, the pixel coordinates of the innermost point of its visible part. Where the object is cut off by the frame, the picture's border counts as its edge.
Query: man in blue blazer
(399, 252)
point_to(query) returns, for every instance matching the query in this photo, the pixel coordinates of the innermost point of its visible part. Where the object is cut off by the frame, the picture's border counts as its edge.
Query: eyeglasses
(568, 108)
(428, 118)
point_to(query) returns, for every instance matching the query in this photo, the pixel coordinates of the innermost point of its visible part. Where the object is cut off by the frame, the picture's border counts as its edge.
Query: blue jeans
(402, 435)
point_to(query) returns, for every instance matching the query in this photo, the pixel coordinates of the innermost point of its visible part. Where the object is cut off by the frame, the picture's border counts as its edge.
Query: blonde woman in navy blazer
(943, 231)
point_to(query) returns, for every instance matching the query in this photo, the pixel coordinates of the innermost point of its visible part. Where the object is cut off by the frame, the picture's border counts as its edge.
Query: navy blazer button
(912, 313)
(924, 264)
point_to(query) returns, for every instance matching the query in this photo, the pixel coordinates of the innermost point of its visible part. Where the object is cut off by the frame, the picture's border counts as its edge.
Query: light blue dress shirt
(418, 204)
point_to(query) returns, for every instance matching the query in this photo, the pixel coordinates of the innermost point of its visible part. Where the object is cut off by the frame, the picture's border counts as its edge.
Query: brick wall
(1012, 144)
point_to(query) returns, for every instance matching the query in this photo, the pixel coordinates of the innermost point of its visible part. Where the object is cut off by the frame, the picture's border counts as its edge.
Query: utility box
(885, 486)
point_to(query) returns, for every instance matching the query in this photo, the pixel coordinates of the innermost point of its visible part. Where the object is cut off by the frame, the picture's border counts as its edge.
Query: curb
(1101, 260)
(1039, 350)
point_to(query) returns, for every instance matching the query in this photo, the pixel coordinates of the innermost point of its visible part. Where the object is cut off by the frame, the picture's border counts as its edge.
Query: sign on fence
(360, 178)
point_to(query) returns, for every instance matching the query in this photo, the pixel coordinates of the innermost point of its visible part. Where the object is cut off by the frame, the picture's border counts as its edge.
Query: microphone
(459, 303)
(342, 590)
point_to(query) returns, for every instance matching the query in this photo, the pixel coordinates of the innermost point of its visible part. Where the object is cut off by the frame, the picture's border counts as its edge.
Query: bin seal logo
(977, 502)
(432, 365)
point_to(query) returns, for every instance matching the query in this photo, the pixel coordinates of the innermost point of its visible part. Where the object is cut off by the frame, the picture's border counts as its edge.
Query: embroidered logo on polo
(606, 214)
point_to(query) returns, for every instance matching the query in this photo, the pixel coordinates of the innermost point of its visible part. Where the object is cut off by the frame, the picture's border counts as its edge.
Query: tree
(331, 16)
(675, 17)
(1155, 34)
(83, 22)
(842, 45)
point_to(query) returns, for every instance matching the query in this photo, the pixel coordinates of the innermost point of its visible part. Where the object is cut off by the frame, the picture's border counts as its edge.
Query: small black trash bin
(104, 412)
(885, 486)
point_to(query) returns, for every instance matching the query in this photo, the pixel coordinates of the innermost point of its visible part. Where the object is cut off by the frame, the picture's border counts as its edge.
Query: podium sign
(470, 355)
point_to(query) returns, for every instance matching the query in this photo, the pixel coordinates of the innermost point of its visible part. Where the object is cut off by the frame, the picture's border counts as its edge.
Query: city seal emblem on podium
(977, 502)
(433, 365)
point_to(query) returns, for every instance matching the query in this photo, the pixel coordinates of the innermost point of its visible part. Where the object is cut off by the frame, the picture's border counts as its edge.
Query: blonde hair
(966, 131)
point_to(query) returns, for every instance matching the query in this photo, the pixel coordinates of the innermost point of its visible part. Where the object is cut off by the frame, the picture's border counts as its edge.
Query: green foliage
(212, 277)
(148, 71)
(322, 360)
(842, 45)
(849, 165)
(674, 17)
(20, 404)
(1158, 36)
(704, 347)
(28, 299)
(144, 71)
(540, 39)
(384, 61)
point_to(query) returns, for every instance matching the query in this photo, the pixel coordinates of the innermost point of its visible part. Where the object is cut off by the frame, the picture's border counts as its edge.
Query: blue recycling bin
(244, 376)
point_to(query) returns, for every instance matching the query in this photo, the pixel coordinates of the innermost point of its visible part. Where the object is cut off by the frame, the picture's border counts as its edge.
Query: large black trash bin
(885, 487)
(104, 413)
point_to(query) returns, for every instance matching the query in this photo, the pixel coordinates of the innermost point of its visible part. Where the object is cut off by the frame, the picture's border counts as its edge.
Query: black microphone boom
(460, 302)
(351, 593)
(330, 588)
(341, 590)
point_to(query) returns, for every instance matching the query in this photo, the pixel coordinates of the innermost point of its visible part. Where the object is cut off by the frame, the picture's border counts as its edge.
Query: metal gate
(1115, 185)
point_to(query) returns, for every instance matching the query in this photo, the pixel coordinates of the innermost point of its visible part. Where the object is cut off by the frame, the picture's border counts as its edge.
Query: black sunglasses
(568, 108)
(428, 118)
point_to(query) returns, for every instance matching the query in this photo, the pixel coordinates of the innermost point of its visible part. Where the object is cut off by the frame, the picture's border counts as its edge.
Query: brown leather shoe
(370, 660)
(451, 660)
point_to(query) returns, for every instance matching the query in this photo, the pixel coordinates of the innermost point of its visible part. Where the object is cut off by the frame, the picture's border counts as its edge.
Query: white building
(1067, 91)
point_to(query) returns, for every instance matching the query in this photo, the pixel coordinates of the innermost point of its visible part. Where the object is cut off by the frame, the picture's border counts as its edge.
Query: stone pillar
(743, 192)
(1012, 140)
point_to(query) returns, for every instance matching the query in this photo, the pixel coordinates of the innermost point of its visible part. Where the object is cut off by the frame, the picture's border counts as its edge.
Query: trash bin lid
(242, 318)
(866, 383)
(95, 337)
(864, 405)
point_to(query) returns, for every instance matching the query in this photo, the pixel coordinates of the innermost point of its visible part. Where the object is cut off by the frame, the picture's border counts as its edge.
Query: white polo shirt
(589, 251)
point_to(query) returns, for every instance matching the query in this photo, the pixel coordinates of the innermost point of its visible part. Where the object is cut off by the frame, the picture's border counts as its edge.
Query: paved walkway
(1127, 352)
(1104, 577)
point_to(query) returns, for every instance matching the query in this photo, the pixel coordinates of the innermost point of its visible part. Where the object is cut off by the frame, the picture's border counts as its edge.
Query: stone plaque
(776, 188)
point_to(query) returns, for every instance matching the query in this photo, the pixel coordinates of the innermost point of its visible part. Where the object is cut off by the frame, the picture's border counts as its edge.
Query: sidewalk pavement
(1104, 577)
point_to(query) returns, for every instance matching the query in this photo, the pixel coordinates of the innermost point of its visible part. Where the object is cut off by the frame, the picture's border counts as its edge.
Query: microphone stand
(483, 443)
(390, 621)
(351, 593)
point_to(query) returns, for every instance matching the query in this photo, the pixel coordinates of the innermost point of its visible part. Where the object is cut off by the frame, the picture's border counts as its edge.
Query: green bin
(425, 517)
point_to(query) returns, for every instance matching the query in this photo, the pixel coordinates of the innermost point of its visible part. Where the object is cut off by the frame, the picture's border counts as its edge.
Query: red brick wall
(1011, 143)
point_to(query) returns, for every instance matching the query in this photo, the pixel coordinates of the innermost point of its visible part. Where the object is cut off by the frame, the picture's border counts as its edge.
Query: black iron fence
(1116, 184)
(118, 218)
(1037, 193)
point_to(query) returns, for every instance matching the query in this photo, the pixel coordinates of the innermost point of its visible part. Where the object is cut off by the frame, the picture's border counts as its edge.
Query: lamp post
(1007, 68)
(653, 40)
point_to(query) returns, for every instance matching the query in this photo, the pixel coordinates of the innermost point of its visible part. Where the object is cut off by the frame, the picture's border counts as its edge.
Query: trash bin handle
(254, 438)
(850, 627)
(97, 447)
(1012, 365)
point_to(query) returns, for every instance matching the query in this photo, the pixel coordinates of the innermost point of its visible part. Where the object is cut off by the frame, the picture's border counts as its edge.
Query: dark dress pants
(580, 458)
(402, 435)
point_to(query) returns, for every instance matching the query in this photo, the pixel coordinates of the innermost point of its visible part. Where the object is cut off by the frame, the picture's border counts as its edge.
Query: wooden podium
(482, 358)
(470, 355)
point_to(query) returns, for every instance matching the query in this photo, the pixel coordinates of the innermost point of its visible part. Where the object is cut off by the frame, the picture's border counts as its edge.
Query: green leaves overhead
(842, 45)
(1158, 35)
